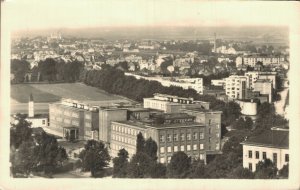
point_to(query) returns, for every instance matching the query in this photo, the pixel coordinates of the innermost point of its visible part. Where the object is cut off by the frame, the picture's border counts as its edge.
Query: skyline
(33, 14)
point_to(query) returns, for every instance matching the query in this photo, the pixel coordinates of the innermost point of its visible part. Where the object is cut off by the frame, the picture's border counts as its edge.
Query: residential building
(172, 104)
(272, 144)
(185, 83)
(254, 75)
(218, 82)
(251, 60)
(236, 86)
(264, 87)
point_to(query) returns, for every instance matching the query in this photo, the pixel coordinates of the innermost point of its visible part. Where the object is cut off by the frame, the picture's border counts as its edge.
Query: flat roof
(201, 110)
(144, 125)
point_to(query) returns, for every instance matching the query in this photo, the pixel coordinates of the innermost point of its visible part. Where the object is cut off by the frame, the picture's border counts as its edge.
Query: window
(195, 147)
(201, 135)
(217, 146)
(169, 159)
(218, 135)
(182, 136)
(188, 147)
(175, 137)
(275, 158)
(250, 166)
(195, 136)
(43, 122)
(287, 159)
(182, 148)
(169, 138)
(201, 146)
(201, 156)
(209, 139)
(188, 136)
(162, 138)
(175, 148)
(169, 149)
(256, 154)
(209, 130)
(162, 150)
(250, 153)
(113, 137)
(162, 160)
(264, 155)
(209, 122)
(113, 127)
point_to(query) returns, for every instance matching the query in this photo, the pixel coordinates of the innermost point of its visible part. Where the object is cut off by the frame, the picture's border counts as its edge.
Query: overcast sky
(41, 14)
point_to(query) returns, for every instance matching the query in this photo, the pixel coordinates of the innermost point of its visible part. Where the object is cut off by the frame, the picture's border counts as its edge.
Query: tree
(20, 131)
(265, 170)
(284, 171)
(140, 143)
(120, 164)
(197, 169)
(151, 148)
(241, 173)
(23, 159)
(179, 165)
(19, 68)
(139, 166)
(158, 170)
(248, 123)
(94, 157)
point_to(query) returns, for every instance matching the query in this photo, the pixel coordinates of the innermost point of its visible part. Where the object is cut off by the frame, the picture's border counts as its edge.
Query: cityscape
(167, 108)
(158, 91)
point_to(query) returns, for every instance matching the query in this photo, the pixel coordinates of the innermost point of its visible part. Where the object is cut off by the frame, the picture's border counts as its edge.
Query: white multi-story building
(236, 86)
(172, 104)
(254, 75)
(185, 83)
(273, 145)
(252, 60)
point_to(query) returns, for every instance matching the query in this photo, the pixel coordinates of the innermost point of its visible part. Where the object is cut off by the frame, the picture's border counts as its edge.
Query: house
(272, 144)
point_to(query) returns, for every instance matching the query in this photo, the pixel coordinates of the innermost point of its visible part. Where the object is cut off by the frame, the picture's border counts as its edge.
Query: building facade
(236, 86)
(172, 104)
(178, 132)
(264, 87)
(273, 145)
(71, 118)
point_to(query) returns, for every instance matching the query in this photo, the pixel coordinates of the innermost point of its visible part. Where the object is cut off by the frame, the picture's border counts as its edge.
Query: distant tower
(31, 106)
(215, 42)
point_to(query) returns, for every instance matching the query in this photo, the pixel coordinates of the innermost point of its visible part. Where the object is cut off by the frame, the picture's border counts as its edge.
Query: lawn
(21, 93)
(54, 92)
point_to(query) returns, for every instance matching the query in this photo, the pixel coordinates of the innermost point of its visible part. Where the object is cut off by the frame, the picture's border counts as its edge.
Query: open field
(20, 93)
(54, 92)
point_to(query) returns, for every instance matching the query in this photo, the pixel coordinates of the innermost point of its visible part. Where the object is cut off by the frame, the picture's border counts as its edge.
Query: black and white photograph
(132, 94)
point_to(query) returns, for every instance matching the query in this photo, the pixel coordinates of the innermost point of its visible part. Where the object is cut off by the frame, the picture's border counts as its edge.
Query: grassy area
(21, 93)
(54, 92)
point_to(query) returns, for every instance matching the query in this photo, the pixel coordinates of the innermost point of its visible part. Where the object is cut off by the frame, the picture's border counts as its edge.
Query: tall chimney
(215, 42)
(31, 106)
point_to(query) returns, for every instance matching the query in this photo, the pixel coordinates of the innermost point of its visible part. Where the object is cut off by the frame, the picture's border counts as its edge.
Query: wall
(269, 152)
(247, 108)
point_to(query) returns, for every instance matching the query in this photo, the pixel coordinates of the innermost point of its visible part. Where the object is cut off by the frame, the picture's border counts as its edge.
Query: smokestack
(215, 42)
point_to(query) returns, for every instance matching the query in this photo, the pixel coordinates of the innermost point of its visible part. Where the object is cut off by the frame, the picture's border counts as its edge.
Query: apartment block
(236, 86)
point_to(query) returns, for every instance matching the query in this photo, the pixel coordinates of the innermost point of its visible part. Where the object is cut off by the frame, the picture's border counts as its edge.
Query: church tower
(31, 106)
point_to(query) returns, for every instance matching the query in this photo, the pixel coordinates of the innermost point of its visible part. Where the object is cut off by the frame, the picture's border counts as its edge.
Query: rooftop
(144, 124)
(270, 138)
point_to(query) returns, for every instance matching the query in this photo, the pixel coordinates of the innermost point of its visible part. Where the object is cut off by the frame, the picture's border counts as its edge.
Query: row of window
(183, 136)
(66, 113)
(264, 156)
(181, 148)
(125, 130)
(123, 139)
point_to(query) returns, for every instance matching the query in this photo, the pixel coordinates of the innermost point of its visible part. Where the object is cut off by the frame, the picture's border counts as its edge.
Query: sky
(42, 14)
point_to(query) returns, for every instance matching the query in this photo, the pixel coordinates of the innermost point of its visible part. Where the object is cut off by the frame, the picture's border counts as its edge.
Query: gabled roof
(270, 138)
